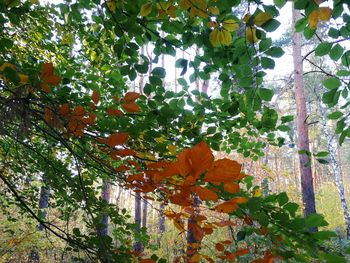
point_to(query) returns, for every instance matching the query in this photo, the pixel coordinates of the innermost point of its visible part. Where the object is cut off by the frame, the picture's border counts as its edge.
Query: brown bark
(307, 187)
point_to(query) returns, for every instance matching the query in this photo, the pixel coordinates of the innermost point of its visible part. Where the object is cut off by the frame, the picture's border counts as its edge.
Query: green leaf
(335, 115)
(322, 161)
(332, 83)
(333, 33)
(267, 63)
(291, 208)
(323, 49)
(336, 52)
(323, 235)
(287, 118)
(315, 220)
(275, 52)
(333, 258)
(282, 198)
(159, 72)
(279, 3)
(322, 154)
(265, 94)
(271, 25)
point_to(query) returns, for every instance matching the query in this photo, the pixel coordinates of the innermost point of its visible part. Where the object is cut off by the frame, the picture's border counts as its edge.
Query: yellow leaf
(185, 4)
(214, 10)
(164, 5)
(246, 17)
(196, 258)
(313, 19)
(7, 65)
(146, 9)
(171, 11)
(227, 38)
(111, 5)
(214, 37)
(172, 149)
(325, 13)
(262, 18)
(250, 35)
(230, 25)
(257, 192)
(23, 79)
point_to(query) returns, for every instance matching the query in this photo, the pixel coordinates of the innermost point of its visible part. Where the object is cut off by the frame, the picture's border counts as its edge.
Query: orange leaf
(231, 205)
(91, 119)
(205, 194)
(131, 107)
(116, 112)
(147, 260)
(197, 231)
(122, 168)
(219, 247)
(223, 170)
(125, 152)
(182, 199)
(195, 160)
(53, 80)
(231, 187)
(117, 139)
(64, 110)
(95, 96)
(135, 177)
(242, 252)
(225, 223)
(47, 70)
(130, 97)
(79, 111)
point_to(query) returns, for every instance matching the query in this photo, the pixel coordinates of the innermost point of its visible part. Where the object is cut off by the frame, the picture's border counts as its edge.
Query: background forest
(174, 131)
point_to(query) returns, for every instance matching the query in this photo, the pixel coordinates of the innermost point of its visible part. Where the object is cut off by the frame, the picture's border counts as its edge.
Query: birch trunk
(332, 147)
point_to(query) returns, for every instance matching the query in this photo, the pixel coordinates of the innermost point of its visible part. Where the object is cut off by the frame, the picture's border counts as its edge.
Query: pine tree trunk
(137, 244)
(332, 146)
(307, 187)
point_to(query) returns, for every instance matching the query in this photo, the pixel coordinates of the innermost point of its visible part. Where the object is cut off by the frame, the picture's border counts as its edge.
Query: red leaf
(130, 97)
(117, 139)
(64, 110)
(205, 194)
(242, 252)
(47, 70)
(131, 107)
(95, 96)
(125, 152)
(219, 247)
(53, 80)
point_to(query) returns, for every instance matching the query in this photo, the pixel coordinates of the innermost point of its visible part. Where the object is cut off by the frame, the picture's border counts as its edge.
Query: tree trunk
(265, 181)
(137, 244)
(106, 193)
(43, 205)
(307, 187)
(191, 223)
(161, 223)
(332, 147)
(144, 211)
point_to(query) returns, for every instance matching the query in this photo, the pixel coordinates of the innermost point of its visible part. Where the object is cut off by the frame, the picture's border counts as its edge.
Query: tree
(307, 187)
